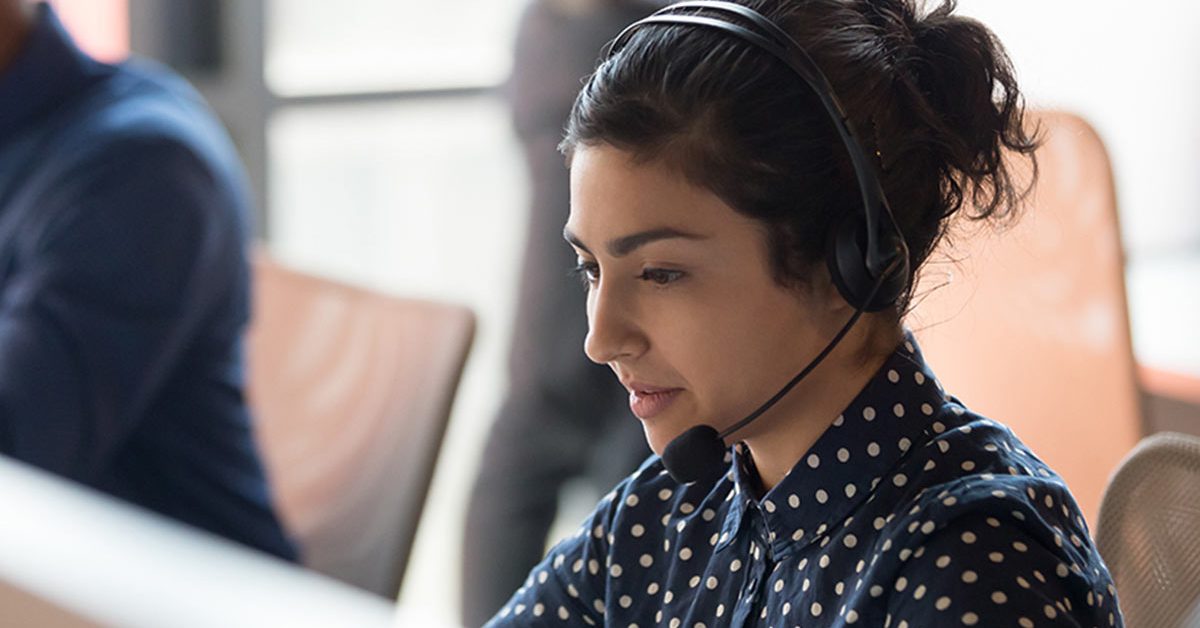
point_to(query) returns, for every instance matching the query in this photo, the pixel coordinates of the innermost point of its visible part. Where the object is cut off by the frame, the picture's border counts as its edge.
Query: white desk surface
(73, 557)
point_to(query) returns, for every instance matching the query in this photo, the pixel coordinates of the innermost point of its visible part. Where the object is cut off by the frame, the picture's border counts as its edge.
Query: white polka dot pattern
(910, 511)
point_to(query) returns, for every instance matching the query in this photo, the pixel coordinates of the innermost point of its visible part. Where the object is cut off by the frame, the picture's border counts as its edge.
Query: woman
(716, 208)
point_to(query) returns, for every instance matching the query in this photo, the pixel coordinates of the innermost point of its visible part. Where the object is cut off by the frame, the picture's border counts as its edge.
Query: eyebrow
(624, 245)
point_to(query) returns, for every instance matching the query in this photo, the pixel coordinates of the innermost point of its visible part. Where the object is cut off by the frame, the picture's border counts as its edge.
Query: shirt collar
(839, 472)
(49, 68)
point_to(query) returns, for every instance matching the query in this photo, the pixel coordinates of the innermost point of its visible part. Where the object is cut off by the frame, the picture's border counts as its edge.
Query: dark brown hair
(932, 92)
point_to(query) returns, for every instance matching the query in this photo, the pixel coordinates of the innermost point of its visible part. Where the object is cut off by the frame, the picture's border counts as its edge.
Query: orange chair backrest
(351, 392)
(1028, 325)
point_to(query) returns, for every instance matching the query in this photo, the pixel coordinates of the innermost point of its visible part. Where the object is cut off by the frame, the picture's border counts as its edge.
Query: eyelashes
(661, 276)
(588, 273)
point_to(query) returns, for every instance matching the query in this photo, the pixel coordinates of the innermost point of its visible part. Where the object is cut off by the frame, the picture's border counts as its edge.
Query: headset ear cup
(847, 260)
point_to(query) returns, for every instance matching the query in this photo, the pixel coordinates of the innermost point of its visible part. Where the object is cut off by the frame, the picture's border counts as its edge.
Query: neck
(789, 430)
(16, 20)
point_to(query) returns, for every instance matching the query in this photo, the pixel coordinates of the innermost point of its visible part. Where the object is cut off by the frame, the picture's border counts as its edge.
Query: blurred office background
(381, 154)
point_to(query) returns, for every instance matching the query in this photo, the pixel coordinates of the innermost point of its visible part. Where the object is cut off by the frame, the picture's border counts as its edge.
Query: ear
(825, 296)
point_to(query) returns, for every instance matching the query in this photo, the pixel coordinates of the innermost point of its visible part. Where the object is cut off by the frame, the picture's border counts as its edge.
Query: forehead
(613, 193)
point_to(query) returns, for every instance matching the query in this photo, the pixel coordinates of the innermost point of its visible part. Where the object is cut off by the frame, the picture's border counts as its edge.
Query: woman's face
(681, 301)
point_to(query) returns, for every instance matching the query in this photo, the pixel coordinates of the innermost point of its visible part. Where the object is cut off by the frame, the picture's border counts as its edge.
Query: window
(317, 47)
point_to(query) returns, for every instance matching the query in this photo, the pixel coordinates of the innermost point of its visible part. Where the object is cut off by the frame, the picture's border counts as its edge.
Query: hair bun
(969, 89)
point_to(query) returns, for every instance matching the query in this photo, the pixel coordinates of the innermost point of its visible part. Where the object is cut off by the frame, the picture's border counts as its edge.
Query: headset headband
(879, 259)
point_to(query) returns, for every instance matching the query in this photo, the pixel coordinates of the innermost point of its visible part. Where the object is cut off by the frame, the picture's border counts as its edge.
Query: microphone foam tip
(697, 455)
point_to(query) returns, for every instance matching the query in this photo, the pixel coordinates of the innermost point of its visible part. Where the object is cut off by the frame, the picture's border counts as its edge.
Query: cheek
(709, 347)
(736, 352)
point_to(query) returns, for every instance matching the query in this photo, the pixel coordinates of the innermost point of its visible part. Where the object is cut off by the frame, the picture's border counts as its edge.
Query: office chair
(1149, 532)
(351, 392)
(1028, 325)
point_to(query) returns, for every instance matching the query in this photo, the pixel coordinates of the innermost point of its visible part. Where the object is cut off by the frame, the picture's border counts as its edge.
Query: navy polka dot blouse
(909, 511)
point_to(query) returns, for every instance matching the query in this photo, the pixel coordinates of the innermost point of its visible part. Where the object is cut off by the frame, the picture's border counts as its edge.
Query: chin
(660, 433)
(657, 444)
(660, 430)
(657, 438)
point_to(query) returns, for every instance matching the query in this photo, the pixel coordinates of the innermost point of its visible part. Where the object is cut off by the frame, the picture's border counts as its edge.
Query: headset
(867, 254)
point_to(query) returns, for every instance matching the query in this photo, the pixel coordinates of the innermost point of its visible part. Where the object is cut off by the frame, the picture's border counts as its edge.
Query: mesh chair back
(1149, 532)
(351, 392)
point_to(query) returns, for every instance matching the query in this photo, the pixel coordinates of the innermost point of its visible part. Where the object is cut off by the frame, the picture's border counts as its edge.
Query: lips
(649, 401)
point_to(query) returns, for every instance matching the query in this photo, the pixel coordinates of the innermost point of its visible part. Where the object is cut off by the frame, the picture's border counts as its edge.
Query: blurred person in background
(563, 417)
(735, 237)
(124, 288)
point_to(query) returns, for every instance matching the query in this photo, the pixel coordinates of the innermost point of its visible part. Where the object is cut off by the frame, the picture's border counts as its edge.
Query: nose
(613, 333)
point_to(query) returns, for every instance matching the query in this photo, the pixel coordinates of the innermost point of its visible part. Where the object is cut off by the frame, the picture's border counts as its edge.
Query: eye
(661, 276)
(587, 272)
